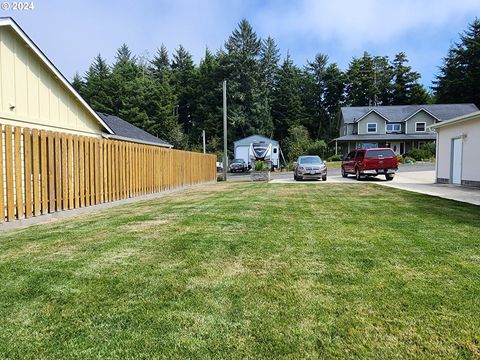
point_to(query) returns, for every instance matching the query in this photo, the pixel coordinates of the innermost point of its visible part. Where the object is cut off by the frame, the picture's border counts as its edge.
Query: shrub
(316, 147)
(429, 147)
(261, 166)
(419, 154)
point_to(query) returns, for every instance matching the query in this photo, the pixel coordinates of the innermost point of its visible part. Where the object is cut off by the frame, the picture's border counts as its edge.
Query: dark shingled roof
(126, 130)
(399, 113)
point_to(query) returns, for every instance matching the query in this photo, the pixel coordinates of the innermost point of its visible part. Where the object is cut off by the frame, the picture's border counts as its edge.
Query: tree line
(175, 99)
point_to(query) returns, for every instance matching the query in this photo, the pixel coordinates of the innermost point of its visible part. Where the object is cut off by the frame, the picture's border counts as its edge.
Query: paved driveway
(417, 178)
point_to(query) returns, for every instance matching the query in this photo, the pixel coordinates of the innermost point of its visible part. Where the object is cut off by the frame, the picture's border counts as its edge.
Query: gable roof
(255, 138)
(400, 113)
(373, 110)
(123, 130)
(9, 22)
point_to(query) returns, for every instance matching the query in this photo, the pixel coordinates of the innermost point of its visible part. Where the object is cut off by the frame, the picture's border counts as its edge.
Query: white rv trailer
(257, 147)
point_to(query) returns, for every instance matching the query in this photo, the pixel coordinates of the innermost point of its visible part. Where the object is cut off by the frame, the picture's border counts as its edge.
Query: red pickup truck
(370, 162)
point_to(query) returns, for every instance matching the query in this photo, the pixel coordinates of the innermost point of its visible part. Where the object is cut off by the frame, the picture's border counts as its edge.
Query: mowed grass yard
(248, 270)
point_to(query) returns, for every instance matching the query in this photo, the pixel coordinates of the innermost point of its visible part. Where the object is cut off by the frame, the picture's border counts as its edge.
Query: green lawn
(248, 270)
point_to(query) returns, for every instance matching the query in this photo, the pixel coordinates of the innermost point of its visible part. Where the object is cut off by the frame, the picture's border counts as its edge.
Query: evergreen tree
(287, 106)
(160, 64)
(78, 84)
(184, 82)
(369, 81)
(269, 58)
(406, 89)
(249, 110)
(333, 99)
(323, 94)
(97, 91)
(208, 110)
(459, 78)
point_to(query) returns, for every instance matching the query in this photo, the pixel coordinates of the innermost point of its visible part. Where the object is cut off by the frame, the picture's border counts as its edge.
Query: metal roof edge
(123, 138)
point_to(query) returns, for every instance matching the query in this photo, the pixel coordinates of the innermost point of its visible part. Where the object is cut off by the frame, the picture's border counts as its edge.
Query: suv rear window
(376, 153)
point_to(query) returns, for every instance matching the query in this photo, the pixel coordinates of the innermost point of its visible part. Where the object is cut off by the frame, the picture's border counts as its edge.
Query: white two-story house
(400, 127)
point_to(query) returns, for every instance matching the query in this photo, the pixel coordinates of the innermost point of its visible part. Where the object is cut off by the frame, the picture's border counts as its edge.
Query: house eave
(123, 138)
(459, 119)
(8, 21)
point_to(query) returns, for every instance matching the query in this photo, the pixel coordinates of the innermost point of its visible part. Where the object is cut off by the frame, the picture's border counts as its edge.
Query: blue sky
(72, 32)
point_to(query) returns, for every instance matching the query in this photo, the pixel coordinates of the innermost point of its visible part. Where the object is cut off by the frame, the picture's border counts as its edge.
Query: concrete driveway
(417, 178)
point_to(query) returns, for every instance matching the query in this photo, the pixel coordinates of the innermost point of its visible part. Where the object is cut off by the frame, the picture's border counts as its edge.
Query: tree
(78, 84)
(269, 58)
(184, 81)
(160, 64)
(406, 88)
(249, 110)
(323, 93)
(97, 89)
(287, 105)
(207, 113)
(369, 81)
(459, 78)
(297, 142)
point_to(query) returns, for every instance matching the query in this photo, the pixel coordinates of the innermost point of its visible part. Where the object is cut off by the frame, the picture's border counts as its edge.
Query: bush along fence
(44, 172)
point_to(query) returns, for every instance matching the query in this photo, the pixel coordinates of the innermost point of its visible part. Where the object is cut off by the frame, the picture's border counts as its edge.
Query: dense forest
(175, 99)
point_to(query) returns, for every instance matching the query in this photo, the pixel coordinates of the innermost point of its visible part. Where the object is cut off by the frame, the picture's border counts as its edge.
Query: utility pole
(225, 156)
(203, 136)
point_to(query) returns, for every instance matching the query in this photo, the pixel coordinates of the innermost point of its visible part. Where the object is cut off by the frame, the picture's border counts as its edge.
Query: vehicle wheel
(357, 175)
(295, 177)
(324, 178)
(344, 174)
(389, 177)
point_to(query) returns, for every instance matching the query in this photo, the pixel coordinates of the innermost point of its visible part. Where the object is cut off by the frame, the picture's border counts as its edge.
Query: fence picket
(48, 171)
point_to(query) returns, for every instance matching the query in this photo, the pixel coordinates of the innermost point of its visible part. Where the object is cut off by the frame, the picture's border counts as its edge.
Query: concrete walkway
(423, 182)
(415, 180)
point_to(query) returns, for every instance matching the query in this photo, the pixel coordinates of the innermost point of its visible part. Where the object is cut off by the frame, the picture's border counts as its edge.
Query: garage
(458, 146)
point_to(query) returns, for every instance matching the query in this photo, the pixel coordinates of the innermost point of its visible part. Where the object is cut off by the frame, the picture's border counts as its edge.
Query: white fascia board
(416, 112)
(10, 22)
(459, 119)
(368, 113)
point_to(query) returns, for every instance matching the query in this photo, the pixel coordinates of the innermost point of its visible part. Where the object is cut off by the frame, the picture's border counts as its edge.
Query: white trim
(372, 132)
(368, 113)
(424, 126)
(10, 22)
(393, 131)
(416, 112)
(458, 119)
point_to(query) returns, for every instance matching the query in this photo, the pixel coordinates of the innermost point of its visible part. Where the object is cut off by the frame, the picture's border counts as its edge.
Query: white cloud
(354, 24)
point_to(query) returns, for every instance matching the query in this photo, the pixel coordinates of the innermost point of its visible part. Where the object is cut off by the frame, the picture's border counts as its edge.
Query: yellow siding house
(34, 94)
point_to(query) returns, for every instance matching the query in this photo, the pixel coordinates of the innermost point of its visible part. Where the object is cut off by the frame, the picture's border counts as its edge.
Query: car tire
(344, 174)
(295, 177)
(357, 175)
(389, 177)
(324, 178)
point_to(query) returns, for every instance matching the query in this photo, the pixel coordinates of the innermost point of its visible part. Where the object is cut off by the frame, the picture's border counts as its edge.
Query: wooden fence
(45, 172)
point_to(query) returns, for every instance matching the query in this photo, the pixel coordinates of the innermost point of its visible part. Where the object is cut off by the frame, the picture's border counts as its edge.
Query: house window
(371, 128)
(394, 127)
(420, 126)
